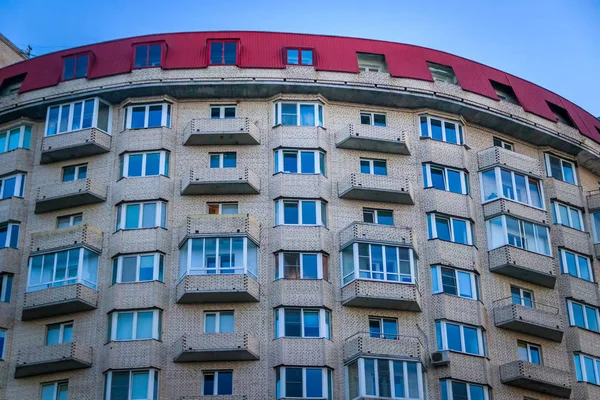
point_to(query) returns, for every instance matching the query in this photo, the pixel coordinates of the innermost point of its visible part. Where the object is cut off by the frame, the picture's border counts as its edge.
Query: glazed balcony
(221, 225)
(41, 360)
(564, 192)
(499, 157)
(524, 265)
(381, 294)
(204, 181)
(382, 139)
(223, 131)
(363, 344)
(541, 320)
(78, 144)
(234, 346)
(16, 160)
(80, 235)
(59, 300)
(379, 188)
(217, 288)
(373, 233)
(539, 378)
(80, 192)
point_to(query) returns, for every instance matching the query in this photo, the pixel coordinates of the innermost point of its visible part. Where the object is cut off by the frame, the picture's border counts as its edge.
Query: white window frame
(433, 233)
(375, 212)
(216, 374)
(379, 320)
(277, 117)
(474, 278)
(21, 145)
(528, 346)
(55, 386)
(504, 144)
(122, 210)
(217, 315)
(155, 325)
(500, 191)
(77, 172)
(481, 342)
(448, 383)
(280, 269)
(565, 267)
(441, 73)
(356, 271)
(61, 331)
(464, 187)
(162, 163)
(324, 381)
(222, 108)
(372, 117)
(54, 282)
(505, 234)
(71, 105)
(595, 230)
(324, 329)
(71, 220)
(569, 223)
(220, 205)
(20, 180)
(152, 377)
(318, 206)
(522, 300)
(221, 158)
(165, 117)
(578, 359)
(9, 231)
(362, 387)
(460, 130)
(585, 317)
(372, 166)
(7, 281)
(155, 271)
(279, 161)
(562, 163)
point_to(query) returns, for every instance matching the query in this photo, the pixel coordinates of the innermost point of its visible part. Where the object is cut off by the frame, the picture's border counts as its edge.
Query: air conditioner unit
(440, 358)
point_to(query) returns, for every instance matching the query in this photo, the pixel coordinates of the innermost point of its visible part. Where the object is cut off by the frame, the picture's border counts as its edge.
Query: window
(529, 352)
(75, 66)
(217, 383)
(11, 86)
(218, 322)
(12, 186)
(224, 255)
(55, 391)
(442, 130)
(300, 212)
(9, 236)
(223, 111)
(292, 161)
(223, 52)
(442, 73)
(66, 221)
(135, 325)
(15, 138)
(148, 116)
(567, 216)
(449, 229)
(378, 262)
(222, 208)
(376, 216)
(67, 267)
(132, 385)
(144, 164)
(596, 226)
(138, 268)
(455, 390)
(147, 55)
(300, 114)
(223, 160)
(5, 287)
(442, 178)
(74, 172)
(583, 316)
(460, 338)
(302, 323)
(576, 265)
(85, 114)
(299, 56)
(561, 115)
(587, 369)
(503, 183)
(560, 169)
(2, 343)
(504, 144)
(370, 118)
(383, 328)
(384, 378)
(505, 93)
(290, 265)
(142, 215)
(505, 230)
(522, 296)
(373, 167)
(455, 282)
(59, 333)
(371, 62)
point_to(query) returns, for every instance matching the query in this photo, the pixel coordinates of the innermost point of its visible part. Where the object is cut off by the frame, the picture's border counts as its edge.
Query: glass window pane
(521, 188)
(132, 216)
(584, 268)
(209, 384)
(309, 213)
(454, 181)
(64, 118)
(311, 323)
(589, 369)
(292, 56)
(489, 185)
(155, 116)
(569, 173)
(229, 160)
(365, 167)
(309, 266)
(450, 132)
(216, 54)
(453, 336)
(307, 162)
(293, 382)
(370, 377)
(438, 178)
(592, 318)
(476, 392)
(289, 114)
(578, 315)
(383, 375)
(436, 129)
(128, 269)
(459, 391)
(471, 340)
(226, 322)
(147, 268)
(141, 56)
(144, 324)
(88, 114)
(149, 215)
(135, 165)
(154, 56)
(225, 385)
(48, 390)
(555, 167)
(314, 382)
(379, 120)
(464, 281)
(514, 233)
(379, 168)
(507, 185)
(82, 66)
(307, 57)
(307, 115)
(53, 334)
(460, 231)
(68, 174)
(210, 323)
(138, 116)
(442, 226)
(124, 326)
(293, 327)
(535, 355)
(13, 140)
(399, 379)
(152, 164)
(384, 217)
(575, 221)
(449, 281)
(230, 53)
(290, 212)
(140, 386)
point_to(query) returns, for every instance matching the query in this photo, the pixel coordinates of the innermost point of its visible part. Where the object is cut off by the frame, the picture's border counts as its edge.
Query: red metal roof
(332, 53)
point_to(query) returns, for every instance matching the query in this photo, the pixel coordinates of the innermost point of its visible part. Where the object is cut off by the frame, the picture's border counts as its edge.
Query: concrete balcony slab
(540, 320)
(221, 131)
(524, 265)
(234, 346)
(217, 288)
(382, 139)
(539, 378)
(205, 181)
(41, 360)
(76, 193)
(56, 239)
(78, 144)
(385, 189)
(383, 295)
(59, 300)
(500, 157)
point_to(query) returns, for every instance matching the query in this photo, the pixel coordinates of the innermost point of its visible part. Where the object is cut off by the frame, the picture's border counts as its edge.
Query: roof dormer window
(505, 93)
(442, 73)
(223, 52)
(76, 66)
(147, 55)
(561, 115)
(371, 62)
(297, 56)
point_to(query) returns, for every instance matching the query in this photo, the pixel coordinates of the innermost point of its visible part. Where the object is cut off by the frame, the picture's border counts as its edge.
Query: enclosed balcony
(234, 346)
(59, 300)
(536, 377)
(220, 131)
(500, 157)
(524, 265)
(80, 192)
(571, 239)
(379, 188)
(366, 344)
(383, 139)
(82, 235)
(41, 360)
(77, 144)
(205, 181)
(535, 319)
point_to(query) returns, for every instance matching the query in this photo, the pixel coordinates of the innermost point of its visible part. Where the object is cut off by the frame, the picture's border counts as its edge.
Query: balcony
(571, 239)
(583, 390)
(147, 139)
(301, 238)
(378, 234)
(140, 241)
(542, 320)
(593, 200)
(234, 346)
(220, 181)
(133, 354)
(126, 296)
(453, 254)
(13, 209)
(382, 294)
(539, 378)
(382, 139)
(379, 188)
(524, 265)
(499, 157)
(576, 288)
(82, 235)
(564, 192)
(363, 345)
(41, 360)
(440, 201)
(466, 367)
(78, 144)
(302, 293)
(142, 188)
(299, 137)
(223, 224)
(225, 131)
(217, 288)
(16, 160)
(303, 352)
(442, 153)
(64, 195)
(503, 206)
(59, 300)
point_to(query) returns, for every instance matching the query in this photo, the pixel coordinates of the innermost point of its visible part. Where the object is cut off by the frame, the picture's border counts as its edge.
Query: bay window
(292, 161)
(144, 164)
(383, 328)
(12, 186)
(504, 230)
(85, 114)
(223, 255)
(384, 378)
(583, 316)
(560, 169)
(55, 391)
(455, 282)
(447, 179)
(132, 385)
(303, 383)
(460, 338)
(9, 236)
(300, 212)
(6, 281)
(587, 369)
(216, 383)
(67, 267)
(568, 216)
(442, 130)
(218, 321)
(299, 114)
(138, 268)
(151, 214)
(302, 323)
(377, 216)
(15, 138)
(134, 325)
(458, 390)
(503, 183)
(292, 265)
(147, 116)
(576, 265)
(366, 261)
(449, 229)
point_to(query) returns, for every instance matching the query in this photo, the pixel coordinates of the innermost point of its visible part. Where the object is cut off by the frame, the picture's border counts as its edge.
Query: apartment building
(245, 215)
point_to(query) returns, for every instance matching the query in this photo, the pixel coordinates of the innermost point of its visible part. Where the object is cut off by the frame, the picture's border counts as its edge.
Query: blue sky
(554, 43)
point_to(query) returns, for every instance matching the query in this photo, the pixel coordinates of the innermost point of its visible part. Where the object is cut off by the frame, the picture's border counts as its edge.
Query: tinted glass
(138, 116)
(314, 382)
(128, 269)
(290, 213)
(225, 385)
(384, 217)
(293, 327)
(471, 341)
(152, 164)
(437, 178)
(307, 57)
(82, 66)
(216, 53)
(292, 56)
(454, 181)
(146, 268)
(365, 167)
(450, 132)
(293, 382)
(460, 231)
(307, 162)
(436, 129)
(442, 226)
(449, 281)
(568, 172)
(309, 266)
(209, 384)
(379, 168)
(141, 56)
(311, 323)
(135, 164)
(424, 128)
(229, 112)
(379, 120)
(309, 213)
(464, 281)
(155, 116)
(307, 115)
(453, 336)
(229, 56)
(68, 174)
(69, 68)
(154, 56)
(229, 160)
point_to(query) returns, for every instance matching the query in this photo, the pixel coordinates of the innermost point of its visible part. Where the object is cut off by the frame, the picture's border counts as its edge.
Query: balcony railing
(76, 193)
(41, 360)
(233, 346)
(538, 319)
(379, 188)
(213, 225)
(499, 157)
(536, 377)
(223, 131)
(382, 294)
(78, 144)
(384, 345)
(82, 235)
(383, 139)
(564, 192)
(220, 181)
(377, 234)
